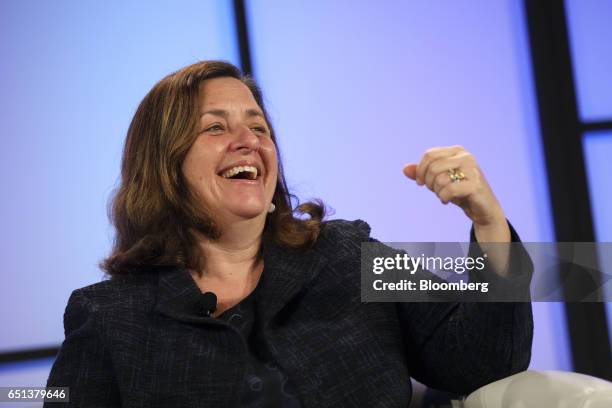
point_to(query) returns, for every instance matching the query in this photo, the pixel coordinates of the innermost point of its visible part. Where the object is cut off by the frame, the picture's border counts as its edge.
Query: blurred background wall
(355, 92)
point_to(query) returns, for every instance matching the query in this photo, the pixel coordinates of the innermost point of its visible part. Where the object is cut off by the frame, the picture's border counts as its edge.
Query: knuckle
(466, 156)
(476, 176)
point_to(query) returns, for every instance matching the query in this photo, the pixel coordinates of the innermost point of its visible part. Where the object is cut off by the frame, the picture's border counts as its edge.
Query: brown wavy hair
(155, 215)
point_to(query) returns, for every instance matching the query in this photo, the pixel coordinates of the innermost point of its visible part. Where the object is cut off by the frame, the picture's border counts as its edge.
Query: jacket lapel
(177, 294)
(286, 272)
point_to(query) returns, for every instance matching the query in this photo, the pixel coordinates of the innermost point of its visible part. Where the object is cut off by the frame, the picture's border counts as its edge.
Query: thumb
(410, 171)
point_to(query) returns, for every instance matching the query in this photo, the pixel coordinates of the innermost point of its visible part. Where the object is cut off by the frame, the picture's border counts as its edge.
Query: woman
(203, 207)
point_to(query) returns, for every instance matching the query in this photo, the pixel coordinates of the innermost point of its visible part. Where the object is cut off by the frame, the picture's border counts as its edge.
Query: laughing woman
(203, 209)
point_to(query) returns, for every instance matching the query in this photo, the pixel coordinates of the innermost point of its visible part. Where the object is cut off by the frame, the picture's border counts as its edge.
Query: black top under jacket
(137, 341)
(266, 384)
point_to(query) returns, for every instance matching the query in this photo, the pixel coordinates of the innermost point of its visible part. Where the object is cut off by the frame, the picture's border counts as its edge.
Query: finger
(432, 155)
(459, 160)
(472, 180)
(453, 191)
(410, 171)
(441, 181)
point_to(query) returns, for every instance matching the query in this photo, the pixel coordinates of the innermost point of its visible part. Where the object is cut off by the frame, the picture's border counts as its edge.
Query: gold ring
(456, 175)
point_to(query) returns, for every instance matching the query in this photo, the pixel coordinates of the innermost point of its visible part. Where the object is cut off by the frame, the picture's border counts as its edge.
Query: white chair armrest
(538, 389)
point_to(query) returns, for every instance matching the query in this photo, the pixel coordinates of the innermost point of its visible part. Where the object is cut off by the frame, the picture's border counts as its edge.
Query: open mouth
(241, 173)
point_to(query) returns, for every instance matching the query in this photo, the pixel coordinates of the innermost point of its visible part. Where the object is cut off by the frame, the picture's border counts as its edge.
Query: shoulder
(133, 292)
(344, 229)
(340, 239)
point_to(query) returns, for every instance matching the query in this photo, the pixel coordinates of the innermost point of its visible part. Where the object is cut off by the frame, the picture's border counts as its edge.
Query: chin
(248, 211)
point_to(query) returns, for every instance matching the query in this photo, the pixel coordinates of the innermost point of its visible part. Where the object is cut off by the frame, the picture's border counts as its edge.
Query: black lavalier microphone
(206, 304)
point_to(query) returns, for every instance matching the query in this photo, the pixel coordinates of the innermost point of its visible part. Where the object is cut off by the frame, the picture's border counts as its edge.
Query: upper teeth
(235, 170)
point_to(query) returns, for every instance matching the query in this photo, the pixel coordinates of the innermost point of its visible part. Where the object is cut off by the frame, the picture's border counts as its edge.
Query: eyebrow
(223, 113)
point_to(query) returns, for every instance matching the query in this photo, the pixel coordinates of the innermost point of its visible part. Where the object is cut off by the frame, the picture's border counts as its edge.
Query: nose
(245, 140)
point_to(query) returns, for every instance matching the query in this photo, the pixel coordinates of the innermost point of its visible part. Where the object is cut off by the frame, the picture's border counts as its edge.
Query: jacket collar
(286, 272)
(177, 294)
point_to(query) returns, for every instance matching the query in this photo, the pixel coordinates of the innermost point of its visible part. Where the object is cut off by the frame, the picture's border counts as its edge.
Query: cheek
(269, 153)
(188, 167)
(199, 162)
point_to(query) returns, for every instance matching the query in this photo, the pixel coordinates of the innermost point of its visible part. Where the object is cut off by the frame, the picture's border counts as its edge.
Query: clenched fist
(453, 174)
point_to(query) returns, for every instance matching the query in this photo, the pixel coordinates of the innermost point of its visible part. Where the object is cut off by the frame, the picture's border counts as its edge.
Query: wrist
(493, 219)
(493, 231)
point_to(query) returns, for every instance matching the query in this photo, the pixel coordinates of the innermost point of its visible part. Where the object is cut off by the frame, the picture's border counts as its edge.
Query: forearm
(462, 346)
(475, 344)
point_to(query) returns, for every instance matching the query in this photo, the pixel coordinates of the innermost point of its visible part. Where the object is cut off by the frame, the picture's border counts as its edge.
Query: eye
(215, 127)
(259, 129)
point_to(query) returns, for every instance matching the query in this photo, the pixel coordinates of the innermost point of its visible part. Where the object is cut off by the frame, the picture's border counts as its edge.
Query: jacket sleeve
(459, 347)
(83, 363)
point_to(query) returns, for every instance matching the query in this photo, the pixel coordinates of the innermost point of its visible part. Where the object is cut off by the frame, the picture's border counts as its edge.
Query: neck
(234, 256)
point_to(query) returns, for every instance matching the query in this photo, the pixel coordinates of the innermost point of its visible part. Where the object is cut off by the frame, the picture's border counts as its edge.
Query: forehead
(224, 91)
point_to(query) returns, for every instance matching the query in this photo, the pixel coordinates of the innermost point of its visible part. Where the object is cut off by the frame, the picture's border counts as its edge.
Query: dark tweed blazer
(137, 341)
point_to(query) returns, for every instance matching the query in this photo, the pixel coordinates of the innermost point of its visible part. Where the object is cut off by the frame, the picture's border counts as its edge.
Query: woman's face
(232, 165)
